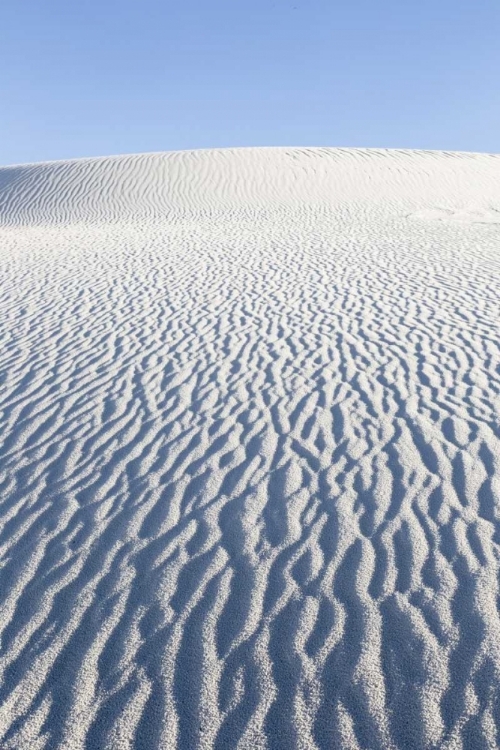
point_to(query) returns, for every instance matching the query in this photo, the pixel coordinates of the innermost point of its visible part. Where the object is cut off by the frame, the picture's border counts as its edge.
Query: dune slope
(250, 459)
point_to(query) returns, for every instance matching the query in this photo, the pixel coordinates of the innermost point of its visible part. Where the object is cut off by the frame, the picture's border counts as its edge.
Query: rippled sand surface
(250, 459)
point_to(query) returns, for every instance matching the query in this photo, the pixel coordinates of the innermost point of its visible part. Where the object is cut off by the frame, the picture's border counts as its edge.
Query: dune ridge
(250, 465)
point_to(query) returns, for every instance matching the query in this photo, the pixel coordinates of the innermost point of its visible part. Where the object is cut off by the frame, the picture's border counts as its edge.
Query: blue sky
(107, 77)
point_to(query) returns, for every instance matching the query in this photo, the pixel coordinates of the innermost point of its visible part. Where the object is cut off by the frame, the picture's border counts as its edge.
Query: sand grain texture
(250, 460)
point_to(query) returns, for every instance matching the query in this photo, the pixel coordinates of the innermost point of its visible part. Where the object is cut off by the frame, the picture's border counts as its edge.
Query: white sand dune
(250, 469)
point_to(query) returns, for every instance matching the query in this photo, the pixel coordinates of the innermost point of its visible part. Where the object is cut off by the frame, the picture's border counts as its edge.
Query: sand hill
(250, 459)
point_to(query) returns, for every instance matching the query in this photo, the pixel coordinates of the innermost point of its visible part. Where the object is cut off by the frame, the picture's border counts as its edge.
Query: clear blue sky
(100, 77)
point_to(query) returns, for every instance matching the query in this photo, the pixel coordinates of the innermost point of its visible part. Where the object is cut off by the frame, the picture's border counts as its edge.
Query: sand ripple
(250, 470)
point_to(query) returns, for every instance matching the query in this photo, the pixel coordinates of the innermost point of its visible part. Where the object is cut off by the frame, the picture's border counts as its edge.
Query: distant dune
(250, 458)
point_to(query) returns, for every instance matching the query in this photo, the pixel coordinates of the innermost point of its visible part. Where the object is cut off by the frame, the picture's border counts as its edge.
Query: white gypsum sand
(250, 469)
